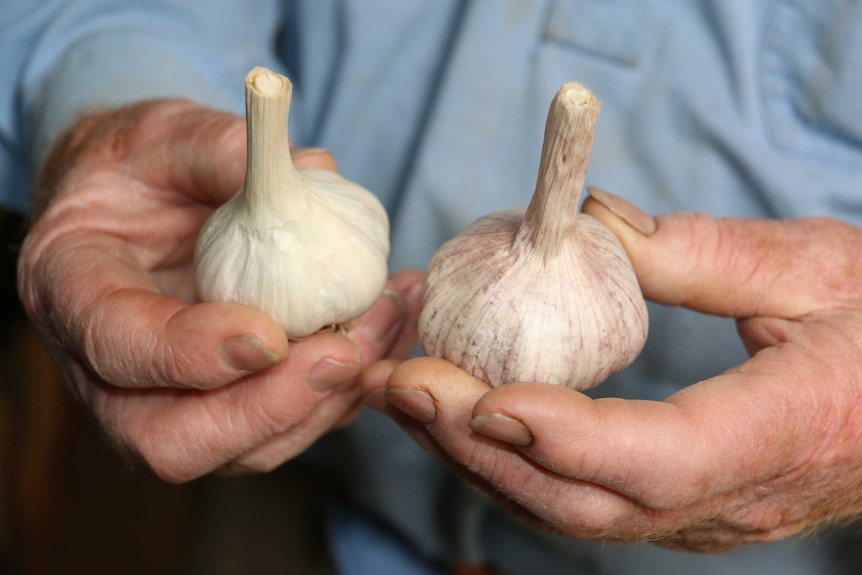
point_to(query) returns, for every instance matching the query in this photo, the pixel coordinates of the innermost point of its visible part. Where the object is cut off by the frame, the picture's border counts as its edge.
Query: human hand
(106, 275)
(761, 452)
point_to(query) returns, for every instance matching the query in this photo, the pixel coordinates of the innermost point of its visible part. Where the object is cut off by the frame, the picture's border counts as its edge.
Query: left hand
(758, 453)
(106, 275)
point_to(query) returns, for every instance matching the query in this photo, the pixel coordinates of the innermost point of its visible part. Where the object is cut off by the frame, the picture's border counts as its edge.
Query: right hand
(768, 449)
(106, 275)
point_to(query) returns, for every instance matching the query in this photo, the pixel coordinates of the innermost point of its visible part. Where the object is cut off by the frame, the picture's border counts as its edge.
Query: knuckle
(168, 466)
(163, 453)
(158, 461)
(169, 472)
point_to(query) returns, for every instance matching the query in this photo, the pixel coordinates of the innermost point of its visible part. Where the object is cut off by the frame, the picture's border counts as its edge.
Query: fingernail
(329, 374)
(396, 298)
(413, 297)
(502, 428)
(246, 354)
(637, 219)
(383, 321)
(417, 404)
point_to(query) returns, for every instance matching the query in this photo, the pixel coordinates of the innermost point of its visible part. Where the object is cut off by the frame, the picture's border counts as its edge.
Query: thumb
(735, 267)
(320, 158)
(185, 146)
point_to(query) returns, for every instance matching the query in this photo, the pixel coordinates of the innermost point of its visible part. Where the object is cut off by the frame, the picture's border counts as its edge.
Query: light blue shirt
(731, 107)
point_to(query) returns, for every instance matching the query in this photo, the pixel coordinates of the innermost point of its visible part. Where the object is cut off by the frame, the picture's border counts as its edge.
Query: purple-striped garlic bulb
(544, 294)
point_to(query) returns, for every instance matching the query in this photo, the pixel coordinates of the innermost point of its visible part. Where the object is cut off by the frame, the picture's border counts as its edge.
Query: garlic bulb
(547, 294)
(306, 247)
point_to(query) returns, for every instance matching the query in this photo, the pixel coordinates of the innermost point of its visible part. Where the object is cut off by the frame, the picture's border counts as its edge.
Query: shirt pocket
(618, 31)
(811, 78)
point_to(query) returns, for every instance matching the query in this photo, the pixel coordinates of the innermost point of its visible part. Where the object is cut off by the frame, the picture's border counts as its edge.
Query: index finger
(737, 267)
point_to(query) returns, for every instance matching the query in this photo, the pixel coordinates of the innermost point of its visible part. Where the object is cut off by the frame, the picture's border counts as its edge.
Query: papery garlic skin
(322, 269)
(307, 247)
(516, 317)
(545, 294)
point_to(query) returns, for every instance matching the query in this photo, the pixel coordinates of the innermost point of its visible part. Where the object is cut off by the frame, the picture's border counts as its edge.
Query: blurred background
(70, 504)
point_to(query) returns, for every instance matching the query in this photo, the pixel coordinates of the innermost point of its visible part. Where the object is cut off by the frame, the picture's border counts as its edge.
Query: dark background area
(70, 504)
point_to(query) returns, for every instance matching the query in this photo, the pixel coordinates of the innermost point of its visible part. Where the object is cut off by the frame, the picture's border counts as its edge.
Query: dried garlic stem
(569, 133)
(270, 168)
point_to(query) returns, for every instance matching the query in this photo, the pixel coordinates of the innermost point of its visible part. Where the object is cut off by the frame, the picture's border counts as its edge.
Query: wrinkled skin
(106, 276)
(768, 449)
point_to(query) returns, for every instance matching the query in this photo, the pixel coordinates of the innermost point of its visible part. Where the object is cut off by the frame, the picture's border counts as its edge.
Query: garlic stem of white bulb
(569, 132)
(307, 247)
(270, 166)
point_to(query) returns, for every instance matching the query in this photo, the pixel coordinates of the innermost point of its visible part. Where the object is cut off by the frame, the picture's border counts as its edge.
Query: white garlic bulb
(547, 294)
(306, 247)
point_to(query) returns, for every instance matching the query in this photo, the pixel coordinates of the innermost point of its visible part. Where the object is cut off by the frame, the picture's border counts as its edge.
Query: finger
(200, 151)
(439, 400)
(138, 339)
(736, 267)
(332, 412)
(728, 434)
(134, 337)
(373, 381)
(529, 481)
(209, 157)
(404, 291)
(309, 158)
(410, 284)
(390, 325)
(415, 396)
(182, 435)
(173, 145)
(589, 440)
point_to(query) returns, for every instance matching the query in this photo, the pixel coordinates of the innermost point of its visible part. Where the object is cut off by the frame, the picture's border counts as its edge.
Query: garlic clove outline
(544, 293)
(307, 247)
